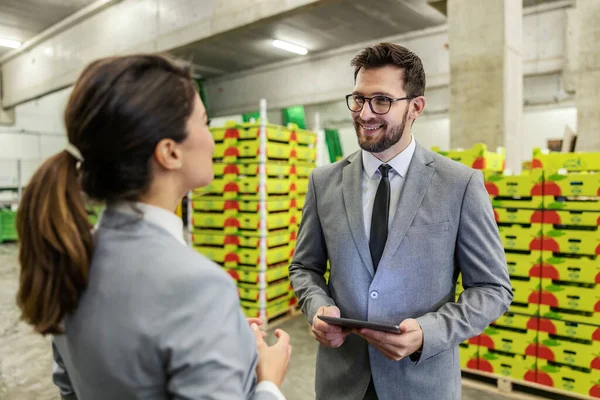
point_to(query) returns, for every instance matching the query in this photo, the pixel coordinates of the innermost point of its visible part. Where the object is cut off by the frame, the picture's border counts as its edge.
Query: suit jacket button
(374, 294)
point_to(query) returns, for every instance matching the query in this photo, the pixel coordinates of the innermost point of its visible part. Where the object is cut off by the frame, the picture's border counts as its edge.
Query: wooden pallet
(515, 388)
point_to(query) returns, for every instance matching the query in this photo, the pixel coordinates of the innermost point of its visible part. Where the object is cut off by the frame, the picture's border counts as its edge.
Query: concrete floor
(25, 359)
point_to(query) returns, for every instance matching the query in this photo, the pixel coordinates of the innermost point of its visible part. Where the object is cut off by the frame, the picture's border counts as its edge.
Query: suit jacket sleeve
(207, 346)
(480, 256)
(60, 377)
(309, 264)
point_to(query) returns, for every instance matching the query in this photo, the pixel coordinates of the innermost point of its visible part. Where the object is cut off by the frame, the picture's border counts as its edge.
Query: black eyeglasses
(378, 104)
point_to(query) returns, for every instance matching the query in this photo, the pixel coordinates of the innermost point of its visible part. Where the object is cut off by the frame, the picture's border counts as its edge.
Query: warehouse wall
(38, 133)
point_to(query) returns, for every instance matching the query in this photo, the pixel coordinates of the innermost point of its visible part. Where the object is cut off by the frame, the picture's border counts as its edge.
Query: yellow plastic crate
(516, 366)
(572, 184)
(302, 136)
(232, 242)
(251, 257)
(248, 152)
(521, 237)
(243, 132)
(524, 264)
(245, 186)
(511, 341)
(302, 186)
(478, 157)
(221, 256)
(282, 169)
(525, 308)
(572, 330)
(305, 154)
(571, 241)
(468, 355)
(251, 221)
(226, 189)
(514, 185)
(273, 308)
(569, 315)
(207, 204)
(248, 291)
(573, 218)
(569, 378)
(577, 161)
(226, 223)
(285, 298)
(252, 275)
(565, 296)
(525, 290)
(518, 216)
(572, 203)
(242, 206)
(584, 354)
(571, 268)
(526, 202)
(517, 321)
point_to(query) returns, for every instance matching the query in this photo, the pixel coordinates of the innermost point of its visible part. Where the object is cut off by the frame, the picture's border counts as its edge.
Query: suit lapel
(415, 186)
(352, 193)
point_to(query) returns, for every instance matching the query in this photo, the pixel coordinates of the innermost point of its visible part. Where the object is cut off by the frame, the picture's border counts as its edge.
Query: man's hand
(328, 335)
(395, 346)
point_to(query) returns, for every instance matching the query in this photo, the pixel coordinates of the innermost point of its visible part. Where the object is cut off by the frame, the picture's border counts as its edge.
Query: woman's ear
(168, 155)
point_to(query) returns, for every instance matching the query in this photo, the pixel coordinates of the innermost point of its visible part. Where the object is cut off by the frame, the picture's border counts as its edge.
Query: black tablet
(358, 324)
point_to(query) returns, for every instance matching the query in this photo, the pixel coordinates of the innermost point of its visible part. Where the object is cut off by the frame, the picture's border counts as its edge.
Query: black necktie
(379, 222)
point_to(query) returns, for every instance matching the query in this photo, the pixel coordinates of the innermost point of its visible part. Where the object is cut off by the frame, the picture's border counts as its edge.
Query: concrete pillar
(486, 79)
(588, 82)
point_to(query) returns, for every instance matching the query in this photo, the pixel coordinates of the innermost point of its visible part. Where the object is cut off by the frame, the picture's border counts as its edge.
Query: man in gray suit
(397, 223)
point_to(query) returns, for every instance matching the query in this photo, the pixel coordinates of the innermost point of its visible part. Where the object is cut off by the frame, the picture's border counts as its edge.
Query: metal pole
(262, 196)
(19, 181)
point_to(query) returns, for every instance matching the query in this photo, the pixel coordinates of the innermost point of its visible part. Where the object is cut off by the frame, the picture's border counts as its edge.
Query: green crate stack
(254, 238)
(8, 226)
(568, 350)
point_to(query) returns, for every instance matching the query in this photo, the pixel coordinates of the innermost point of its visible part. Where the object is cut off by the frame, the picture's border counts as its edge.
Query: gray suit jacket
(444, 225)
(157, 321)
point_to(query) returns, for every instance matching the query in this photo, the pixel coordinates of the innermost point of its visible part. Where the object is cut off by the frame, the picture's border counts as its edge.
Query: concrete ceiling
(23, 19)
(324, 25)
(442, 5)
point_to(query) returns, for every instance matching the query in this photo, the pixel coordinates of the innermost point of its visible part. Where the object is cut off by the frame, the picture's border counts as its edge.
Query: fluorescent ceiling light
(13, 44)
(280, 44)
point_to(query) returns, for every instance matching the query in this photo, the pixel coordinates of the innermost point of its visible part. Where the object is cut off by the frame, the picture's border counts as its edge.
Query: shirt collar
(156, 215)
(400, 163)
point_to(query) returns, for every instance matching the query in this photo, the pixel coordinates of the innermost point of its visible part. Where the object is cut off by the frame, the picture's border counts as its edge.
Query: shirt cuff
(268, 386)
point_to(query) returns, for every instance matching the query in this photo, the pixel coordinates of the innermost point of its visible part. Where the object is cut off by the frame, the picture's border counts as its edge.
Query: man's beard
(388, 138)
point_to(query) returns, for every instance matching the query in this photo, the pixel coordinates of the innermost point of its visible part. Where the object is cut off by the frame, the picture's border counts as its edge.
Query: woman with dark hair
(134, 312)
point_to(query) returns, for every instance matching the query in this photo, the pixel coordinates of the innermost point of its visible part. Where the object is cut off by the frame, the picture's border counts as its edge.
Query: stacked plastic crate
(247, 219)
(490, 163)
(8, 225)
(568, 349)
(508, 346)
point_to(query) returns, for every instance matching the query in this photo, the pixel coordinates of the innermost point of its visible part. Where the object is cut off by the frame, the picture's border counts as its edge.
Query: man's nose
(366, 113)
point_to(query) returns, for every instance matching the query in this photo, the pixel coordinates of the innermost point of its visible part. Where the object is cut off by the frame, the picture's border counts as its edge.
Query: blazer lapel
(415, 186)
(352, 193)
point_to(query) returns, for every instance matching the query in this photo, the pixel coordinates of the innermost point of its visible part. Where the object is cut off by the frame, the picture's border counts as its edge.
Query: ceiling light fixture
(280, 44)
(13, 44)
